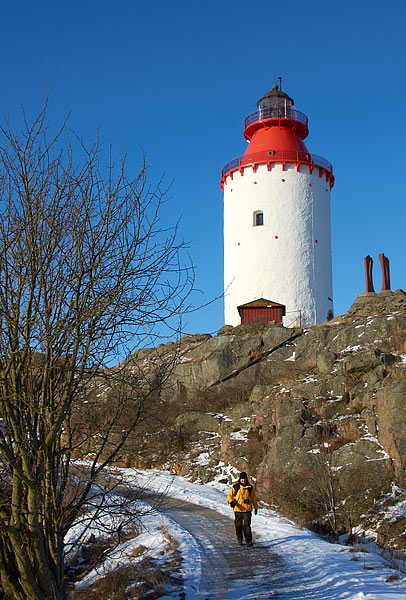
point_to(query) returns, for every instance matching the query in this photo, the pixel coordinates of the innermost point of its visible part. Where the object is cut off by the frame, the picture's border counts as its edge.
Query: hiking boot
(249, 543)
(239, 542)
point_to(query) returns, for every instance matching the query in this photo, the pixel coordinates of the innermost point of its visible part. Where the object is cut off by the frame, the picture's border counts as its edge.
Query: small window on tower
(258, 218)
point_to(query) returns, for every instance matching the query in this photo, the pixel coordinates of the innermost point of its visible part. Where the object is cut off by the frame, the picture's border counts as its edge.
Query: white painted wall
(293, 269)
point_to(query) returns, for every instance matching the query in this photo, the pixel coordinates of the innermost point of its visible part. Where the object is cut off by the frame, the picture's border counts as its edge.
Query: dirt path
(226, 570)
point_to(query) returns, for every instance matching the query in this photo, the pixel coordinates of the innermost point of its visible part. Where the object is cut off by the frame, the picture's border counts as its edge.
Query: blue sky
(178, 78)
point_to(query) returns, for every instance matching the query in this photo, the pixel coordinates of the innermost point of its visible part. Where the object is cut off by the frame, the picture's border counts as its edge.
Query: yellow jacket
(242, 498)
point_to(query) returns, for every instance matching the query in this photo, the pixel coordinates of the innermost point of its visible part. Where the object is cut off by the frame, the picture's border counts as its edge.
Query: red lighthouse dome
(275, 133)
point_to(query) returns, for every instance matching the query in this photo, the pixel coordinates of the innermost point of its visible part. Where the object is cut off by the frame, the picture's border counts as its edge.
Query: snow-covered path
(226, 568)
(287, 562)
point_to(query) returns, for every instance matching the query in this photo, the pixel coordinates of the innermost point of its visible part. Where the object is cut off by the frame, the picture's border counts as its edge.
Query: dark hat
(243, 475)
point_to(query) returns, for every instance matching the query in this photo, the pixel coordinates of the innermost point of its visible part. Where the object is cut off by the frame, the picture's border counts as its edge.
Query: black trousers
(242, 522)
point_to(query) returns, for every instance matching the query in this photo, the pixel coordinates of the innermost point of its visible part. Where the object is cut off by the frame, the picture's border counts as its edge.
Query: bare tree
(86, 272)
(324, 483)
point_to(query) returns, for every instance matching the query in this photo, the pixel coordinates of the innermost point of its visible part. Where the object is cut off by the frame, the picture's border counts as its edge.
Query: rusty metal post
(368, 262)
(384, 260)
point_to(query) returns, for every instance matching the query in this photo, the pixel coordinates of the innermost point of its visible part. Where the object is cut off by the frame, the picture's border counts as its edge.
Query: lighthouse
(277, 229)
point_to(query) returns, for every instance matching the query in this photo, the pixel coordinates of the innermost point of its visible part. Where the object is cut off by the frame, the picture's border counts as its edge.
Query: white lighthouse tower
(277, 231)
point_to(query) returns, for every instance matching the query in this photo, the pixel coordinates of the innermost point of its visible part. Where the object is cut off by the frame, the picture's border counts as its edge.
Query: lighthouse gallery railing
(282, 112)
(277, 156)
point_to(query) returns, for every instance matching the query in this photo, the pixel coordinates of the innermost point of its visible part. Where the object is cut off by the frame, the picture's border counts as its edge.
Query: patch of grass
(358, 548)
(393, 577)
(111, 586)
(142, 581)
(173, 544)
(137, 551)
(92, 552)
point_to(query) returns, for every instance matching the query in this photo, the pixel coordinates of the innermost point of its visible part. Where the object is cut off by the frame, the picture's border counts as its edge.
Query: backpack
(236, 487)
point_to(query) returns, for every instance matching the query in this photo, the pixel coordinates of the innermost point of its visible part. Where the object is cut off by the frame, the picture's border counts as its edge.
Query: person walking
(242, 499)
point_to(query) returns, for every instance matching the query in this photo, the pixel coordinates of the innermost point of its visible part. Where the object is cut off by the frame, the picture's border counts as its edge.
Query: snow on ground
(332, 572)
(351, 348)
(152, 538)
(147, 531)
(239, 436)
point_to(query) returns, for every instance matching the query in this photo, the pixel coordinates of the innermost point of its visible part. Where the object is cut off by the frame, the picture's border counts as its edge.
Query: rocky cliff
(317, 416)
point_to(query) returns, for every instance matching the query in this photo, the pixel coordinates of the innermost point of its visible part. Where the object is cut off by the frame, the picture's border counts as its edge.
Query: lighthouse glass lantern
(277, 231)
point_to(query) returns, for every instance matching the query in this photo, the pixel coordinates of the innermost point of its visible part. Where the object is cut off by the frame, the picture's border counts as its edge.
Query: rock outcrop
(329, 406)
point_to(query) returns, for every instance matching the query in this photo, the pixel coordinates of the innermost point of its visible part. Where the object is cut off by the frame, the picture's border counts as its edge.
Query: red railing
(276, 113)
(280, 156)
